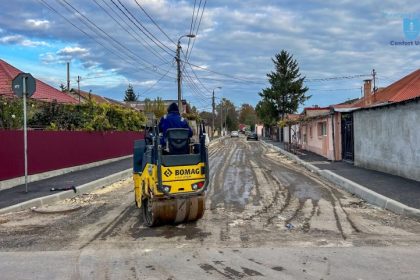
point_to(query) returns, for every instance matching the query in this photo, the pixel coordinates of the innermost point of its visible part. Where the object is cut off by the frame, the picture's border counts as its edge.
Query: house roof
(404, 89)
(139, 105)
(43, 91)
(94, 97)
(116, 102)
(293, 116)
(316, 108)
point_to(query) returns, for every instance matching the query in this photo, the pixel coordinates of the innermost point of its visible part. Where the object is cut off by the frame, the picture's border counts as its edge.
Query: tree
(191, 113)
(248, 116)
(229, 115)
(129, 94)
(287, 91)
(266, 112)
(207, 117)
(156, 107)
(159, 108)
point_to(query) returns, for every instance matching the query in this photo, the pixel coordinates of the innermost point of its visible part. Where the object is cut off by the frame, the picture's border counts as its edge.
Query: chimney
(367, 91)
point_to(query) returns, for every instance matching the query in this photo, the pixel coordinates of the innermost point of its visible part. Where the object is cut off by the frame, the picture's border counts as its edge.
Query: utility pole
(226, 115)
(374, 80)
(213, 113)
(78, 86)
(212, 117)
(68, 76)
(178, 62)
(221, 118)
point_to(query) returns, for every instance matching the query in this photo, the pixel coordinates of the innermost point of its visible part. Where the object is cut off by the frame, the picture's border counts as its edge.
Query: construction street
(266, 217)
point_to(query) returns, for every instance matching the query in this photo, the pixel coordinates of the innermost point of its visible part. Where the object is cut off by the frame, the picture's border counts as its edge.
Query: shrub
(53, 116)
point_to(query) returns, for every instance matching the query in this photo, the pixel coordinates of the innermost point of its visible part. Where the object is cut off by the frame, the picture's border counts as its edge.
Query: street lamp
(213, 105)
(178, 62)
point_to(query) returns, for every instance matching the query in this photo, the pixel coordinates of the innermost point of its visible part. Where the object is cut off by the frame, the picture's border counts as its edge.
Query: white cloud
(21, 40)
(37, 23)
(48, 58)
(67, 54)
(74, 51)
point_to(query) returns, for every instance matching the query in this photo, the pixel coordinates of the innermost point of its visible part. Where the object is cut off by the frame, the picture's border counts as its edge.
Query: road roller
(170, 179)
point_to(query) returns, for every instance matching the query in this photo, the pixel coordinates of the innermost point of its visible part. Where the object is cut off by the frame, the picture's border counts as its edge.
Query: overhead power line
(138, 38)
(219, 73)
(154, 22)
(144, 30)
(191, 25)
(196, 31)
(152, 86)
(336, 89)
(337, 78)
(114, 42)
(117, 54)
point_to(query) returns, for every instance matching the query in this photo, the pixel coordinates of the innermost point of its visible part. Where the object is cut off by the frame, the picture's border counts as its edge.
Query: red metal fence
(51, 150)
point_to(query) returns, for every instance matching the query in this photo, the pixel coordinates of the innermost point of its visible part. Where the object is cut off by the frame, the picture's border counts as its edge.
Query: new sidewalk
(84, 180)
(385, 190)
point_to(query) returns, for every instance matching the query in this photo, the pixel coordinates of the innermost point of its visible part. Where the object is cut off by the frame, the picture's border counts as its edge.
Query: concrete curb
(10, 183)
(353, 187)
(40, 201)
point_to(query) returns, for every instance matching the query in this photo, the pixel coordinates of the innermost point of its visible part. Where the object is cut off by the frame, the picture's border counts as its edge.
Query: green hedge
(84, 117)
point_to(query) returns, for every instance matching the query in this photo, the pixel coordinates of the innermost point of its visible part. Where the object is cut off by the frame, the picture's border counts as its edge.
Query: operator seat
(177, 141)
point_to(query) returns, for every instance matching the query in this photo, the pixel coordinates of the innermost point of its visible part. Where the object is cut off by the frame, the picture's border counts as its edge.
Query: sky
(113, 43)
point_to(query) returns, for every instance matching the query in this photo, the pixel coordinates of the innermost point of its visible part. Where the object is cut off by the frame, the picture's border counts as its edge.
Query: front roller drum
(158, 211)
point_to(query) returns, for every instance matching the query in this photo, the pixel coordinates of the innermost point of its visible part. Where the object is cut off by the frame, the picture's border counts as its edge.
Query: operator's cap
(173, 108)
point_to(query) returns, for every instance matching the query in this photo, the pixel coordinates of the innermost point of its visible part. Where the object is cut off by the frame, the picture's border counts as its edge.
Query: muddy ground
(257, 199)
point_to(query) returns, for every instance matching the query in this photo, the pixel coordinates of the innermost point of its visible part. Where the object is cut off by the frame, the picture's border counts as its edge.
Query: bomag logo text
(182, 172)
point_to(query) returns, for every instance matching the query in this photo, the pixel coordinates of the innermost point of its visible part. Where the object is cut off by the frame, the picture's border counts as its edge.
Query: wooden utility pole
(178, 62)
(221, 118)
(68, 76)
(212, 116)
(78, 86)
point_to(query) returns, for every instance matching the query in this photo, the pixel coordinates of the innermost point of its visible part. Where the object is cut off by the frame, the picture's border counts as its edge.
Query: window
(322, 129)
(310, 131)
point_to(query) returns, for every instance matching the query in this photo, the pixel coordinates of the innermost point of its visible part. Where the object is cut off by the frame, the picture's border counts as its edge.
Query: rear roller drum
(189, 209)
(173, 211)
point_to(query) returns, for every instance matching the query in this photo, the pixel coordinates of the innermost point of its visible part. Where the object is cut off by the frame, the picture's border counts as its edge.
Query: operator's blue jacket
(172, 120)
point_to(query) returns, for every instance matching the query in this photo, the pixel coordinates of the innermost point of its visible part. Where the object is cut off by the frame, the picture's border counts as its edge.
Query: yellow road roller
(170, 180)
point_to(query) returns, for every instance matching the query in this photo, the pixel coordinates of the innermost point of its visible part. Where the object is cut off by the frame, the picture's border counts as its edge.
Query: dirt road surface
(266, 218)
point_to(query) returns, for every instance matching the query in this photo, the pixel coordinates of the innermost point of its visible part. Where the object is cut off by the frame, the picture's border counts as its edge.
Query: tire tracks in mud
(272, 200)
(217, 178)
(275, 202)
(334, 200)
(112, 228)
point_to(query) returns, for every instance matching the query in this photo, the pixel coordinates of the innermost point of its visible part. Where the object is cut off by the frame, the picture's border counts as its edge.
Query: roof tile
(43, 91)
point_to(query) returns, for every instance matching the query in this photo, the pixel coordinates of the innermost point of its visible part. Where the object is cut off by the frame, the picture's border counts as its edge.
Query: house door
(347, 136)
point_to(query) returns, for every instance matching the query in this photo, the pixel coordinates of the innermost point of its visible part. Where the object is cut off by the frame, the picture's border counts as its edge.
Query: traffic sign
(24, 82)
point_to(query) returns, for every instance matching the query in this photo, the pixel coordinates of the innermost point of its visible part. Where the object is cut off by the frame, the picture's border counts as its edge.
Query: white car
(234, 134)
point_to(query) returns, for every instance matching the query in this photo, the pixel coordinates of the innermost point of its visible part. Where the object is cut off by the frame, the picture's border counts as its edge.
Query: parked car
(234, 134)
(252, 136)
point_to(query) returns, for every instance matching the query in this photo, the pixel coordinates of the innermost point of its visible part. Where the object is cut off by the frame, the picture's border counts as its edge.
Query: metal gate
(347, 136)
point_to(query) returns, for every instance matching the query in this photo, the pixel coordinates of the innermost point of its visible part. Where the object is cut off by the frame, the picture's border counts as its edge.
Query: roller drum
(158, 211)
